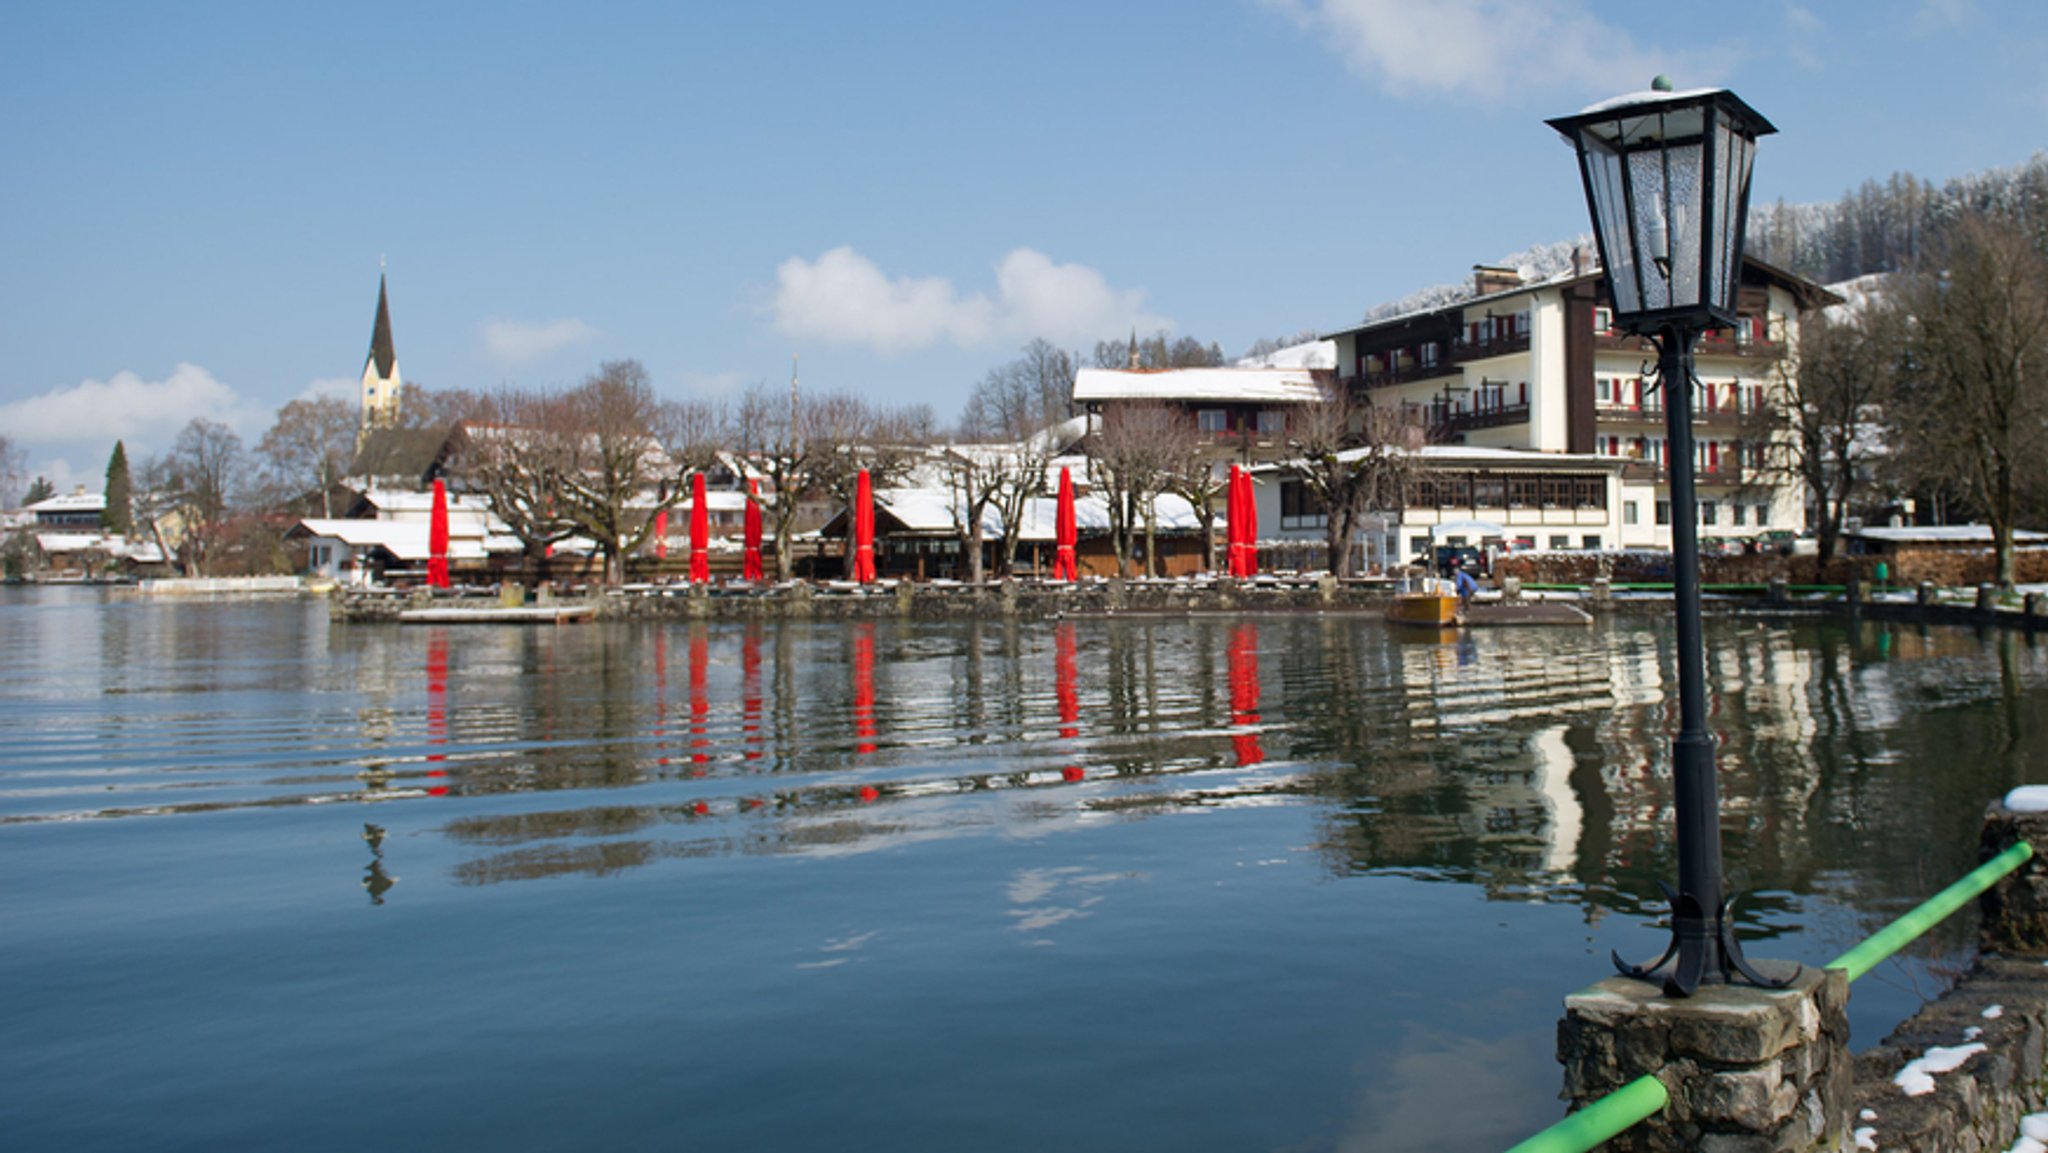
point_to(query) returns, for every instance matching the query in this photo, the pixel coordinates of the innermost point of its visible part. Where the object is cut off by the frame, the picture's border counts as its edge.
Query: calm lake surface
(1258, 883)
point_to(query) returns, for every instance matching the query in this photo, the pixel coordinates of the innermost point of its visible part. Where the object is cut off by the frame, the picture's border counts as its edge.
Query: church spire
(381, 382)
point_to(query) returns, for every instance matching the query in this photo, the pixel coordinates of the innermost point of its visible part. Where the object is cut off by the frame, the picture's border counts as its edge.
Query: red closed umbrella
(437, 539)
(1249, 539)
(700, 532)
(661, 534)
(1066, 532)
(751, 568)
(863, 530)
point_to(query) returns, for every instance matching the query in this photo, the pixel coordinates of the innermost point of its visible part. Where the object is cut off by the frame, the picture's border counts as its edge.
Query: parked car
(1439, 560)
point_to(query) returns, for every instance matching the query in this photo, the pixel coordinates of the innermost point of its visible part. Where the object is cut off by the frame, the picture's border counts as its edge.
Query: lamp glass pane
(1665, 180)
(1610, 216)
(1735, 153)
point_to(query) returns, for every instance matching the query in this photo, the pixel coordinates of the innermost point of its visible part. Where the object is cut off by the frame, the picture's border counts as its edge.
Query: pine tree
(41, 490)
(118, 517)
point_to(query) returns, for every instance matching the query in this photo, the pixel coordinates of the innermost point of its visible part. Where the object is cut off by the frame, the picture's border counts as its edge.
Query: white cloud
(123, 407)
(1487, 51)
(514, 342)
(843, 297)
(68, 431)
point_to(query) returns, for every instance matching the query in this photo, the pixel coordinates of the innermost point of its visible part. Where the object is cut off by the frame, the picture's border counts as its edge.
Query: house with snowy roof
(1241, 411)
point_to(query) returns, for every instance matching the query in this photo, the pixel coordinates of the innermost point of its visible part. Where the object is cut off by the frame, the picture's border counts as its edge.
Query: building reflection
(1534, 765)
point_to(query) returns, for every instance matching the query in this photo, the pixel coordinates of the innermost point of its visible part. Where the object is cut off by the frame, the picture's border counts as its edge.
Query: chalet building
(1538, 366)
(1242, 411)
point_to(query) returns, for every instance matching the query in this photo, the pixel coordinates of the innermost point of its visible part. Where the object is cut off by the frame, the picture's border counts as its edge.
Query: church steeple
(381, 382)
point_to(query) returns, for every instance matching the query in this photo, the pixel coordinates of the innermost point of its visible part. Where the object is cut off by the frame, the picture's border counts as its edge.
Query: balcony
(1654, 414)
(1463, 351)
(1407, 373)
(1486, 418)
(1717, 343)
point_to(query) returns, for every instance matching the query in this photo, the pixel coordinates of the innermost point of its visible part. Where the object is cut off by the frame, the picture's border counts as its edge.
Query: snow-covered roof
(1449, 456)
(141, 550)
(1942, 534)
(930, 510)
(1242, 385)
(72, 502)
(1310, 354)
(405, 539)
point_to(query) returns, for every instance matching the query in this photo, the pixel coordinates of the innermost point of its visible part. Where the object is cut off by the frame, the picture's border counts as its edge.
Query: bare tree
(1191, 471)
(1010, 419)
(1973, 408)
(1825, 417)
(1355, 457)
(201, 476)
(768, 429)
(310, 446)
(510, 451)
(616, 476)
(847, 434)
(1128, 465)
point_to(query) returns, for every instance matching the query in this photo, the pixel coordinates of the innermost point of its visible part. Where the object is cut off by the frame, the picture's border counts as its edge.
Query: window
(1763, 516)
(1735, 514)
(1603, 389)
(1663, 512)
(1429, 354)
(1272, 421)
(1488, 492)
(1212, 420)
(1630, 514)
(1418, 546)
(1560, 541)
(1603, 320)
(1299, 507)
(1590, 541)
(1524, 492)
(1710, 512)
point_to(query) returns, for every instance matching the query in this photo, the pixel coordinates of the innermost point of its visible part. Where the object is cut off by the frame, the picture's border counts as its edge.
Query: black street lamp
(1667, 182)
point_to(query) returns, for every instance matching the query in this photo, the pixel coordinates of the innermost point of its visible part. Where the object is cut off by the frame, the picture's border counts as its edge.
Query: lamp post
(1667, 182)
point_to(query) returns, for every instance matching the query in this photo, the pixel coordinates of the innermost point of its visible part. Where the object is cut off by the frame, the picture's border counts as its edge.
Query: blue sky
(195, 197)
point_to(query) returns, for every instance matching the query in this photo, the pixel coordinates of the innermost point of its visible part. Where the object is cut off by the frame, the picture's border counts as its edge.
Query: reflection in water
(1530, 764)
(1244, 693)
(892, 864)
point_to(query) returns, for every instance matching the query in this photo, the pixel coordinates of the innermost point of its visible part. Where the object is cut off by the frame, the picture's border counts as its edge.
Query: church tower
(381, 383)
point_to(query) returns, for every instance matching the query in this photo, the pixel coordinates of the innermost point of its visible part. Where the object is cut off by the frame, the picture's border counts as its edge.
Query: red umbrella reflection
(1066, 533)
(864, 685)
(750, 690)
(700, 532)
(863, 530)
(751, 567)
(700, 698)
(437, 539)
(1244, 692)
(1064, 679)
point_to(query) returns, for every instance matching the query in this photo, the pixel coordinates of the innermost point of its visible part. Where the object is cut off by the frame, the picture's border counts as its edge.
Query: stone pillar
(1749, 1070)
(906, 596)
(1925, 593)
(1602, 591)
(1853, 591)
(510, 594)
(2014, 912)
(1781, 591)
(1987, 598)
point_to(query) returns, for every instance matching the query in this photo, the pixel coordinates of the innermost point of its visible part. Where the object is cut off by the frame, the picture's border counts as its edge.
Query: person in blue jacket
(1463, 582)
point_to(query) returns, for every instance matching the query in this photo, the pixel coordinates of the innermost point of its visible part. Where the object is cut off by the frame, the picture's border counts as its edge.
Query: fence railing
(1642, 1098)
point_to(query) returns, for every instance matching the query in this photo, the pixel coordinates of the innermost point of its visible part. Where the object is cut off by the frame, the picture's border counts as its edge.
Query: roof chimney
(1488, 279)
(1578, 261)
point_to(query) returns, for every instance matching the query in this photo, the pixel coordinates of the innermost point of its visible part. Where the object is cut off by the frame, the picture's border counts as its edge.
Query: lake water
(1260, 883)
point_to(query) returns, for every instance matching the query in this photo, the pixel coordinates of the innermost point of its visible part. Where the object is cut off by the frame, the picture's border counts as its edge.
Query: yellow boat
(1432, 605)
